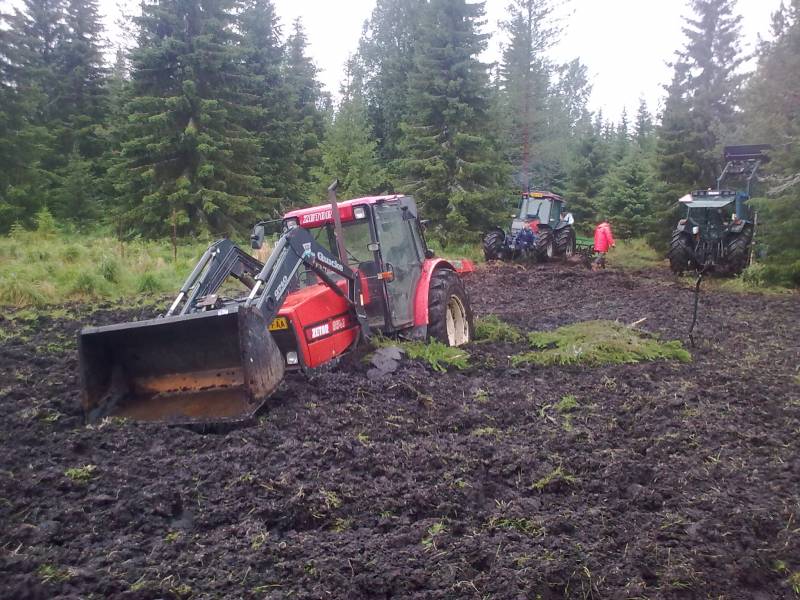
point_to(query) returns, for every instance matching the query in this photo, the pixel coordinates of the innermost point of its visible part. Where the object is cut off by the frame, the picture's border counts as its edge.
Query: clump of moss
(491, 329)
(596, 343)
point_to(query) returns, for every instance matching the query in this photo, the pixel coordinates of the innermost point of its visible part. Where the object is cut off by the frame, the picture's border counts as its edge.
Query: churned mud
(653, 480)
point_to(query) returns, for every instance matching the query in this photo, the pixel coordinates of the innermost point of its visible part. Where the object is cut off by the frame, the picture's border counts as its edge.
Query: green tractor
(719, 228)
(538, 231)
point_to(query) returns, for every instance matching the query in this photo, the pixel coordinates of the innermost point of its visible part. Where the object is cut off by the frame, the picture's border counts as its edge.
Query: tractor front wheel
(450, 318)
(681, 255)
(493, 242)
(738, 252)
(545, 246)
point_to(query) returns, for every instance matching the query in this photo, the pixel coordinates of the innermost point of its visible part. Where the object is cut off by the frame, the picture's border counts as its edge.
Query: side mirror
(257, 237)
(407, 214)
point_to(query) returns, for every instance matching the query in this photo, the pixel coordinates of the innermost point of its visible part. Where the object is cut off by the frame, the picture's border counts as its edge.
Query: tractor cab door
(400, 249)
(358, 242)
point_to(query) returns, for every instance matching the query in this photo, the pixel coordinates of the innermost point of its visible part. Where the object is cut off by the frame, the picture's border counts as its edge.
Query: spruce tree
(387, 52)
(771, 116)
(450, 163)
(349, 152)
(625, 195)
(524, 76)
(307, 117)
(643, 127)
(186, 155)
(588, 166)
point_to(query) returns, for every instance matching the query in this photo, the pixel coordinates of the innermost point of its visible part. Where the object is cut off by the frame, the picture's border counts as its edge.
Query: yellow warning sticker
(279, 323)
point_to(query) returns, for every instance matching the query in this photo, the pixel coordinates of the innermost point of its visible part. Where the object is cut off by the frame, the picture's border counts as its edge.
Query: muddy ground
(667, 481)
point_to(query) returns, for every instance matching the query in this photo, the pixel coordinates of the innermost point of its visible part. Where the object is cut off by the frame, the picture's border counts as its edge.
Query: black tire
(448, 296)
(565, 242)
(681, 256)
(737, 252)
(545, 246)
(493, 242)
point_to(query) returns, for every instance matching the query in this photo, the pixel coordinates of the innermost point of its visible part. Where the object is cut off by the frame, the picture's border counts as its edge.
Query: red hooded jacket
(603, 240)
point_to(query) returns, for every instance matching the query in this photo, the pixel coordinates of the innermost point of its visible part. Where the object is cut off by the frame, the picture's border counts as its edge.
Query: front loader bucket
(208, 367)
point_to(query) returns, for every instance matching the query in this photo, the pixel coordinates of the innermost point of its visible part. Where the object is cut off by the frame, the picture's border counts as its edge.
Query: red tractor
(337, 273)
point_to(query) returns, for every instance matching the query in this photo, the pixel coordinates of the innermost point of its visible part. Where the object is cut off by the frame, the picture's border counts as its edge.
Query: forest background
(216, 118)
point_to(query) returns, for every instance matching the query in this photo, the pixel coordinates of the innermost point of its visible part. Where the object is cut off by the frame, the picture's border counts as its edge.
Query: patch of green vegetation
(567, 404)
(172, 537)
(340, 525)
(521, 524)
(182, 591)
(556, 475)
(81, 474)
(48, 573)
(259, 540)
(634, 254)
(486, 431)
(454, 251)
(90, 267)
(792, 579)
(491, 329)
(435, 530)
(362, 438)
(439, 356)
(598, 343)
(332, 500)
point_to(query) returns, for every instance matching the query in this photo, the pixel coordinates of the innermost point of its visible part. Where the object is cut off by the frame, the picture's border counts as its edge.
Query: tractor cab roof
(315, 216)
(542, 195)
(710, 198)
(711, 202)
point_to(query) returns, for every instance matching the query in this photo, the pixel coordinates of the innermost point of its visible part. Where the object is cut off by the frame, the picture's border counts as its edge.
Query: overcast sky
(624, 43)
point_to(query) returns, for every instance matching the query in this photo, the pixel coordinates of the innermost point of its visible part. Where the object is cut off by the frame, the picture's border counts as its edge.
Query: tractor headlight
(359, 212)
(695, 230)
(291, 358)
(291, 223)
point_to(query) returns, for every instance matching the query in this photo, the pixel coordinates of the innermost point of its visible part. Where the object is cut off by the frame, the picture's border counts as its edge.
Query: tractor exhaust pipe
(201, 368)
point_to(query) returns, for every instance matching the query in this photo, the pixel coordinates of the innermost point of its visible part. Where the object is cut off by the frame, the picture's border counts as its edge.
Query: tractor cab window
(535, 208)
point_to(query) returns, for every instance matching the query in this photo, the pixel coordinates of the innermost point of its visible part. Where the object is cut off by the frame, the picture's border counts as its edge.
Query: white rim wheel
(457, 325)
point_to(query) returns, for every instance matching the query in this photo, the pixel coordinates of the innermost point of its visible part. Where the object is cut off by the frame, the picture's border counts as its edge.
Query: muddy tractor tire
(737, 252)
(565, 242)
(681, 256)
(545, 246)
(493, 242)
(450, 318)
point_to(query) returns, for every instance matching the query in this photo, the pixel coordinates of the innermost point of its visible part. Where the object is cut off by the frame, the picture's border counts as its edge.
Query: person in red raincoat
(603, 242)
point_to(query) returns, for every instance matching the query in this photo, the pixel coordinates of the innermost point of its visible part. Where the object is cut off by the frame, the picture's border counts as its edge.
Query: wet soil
(667, 480)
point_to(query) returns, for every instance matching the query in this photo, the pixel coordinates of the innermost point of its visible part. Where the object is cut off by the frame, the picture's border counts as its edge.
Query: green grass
(38, 270)
(598, 343)
(634, 254)
(567, 404)
(453, 251)
(491, 329)
(81, 474)
(557, 474)
(437, 355)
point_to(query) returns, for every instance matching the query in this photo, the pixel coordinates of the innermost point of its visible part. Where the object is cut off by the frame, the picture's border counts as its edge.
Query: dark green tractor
(718, 230)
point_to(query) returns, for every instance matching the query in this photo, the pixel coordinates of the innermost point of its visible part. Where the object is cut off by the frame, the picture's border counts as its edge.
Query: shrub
(85, 285)
(109, 269)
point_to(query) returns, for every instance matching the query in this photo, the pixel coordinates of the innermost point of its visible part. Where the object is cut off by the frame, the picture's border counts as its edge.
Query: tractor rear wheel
(737, 252)
(450, 318)
(681, 256)
(565, 242)
(493, 242)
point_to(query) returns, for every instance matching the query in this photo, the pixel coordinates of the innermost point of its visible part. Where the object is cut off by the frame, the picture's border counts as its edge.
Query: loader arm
(215, 360)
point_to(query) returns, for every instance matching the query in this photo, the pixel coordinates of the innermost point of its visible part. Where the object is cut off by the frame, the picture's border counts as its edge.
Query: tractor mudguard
(423, 286)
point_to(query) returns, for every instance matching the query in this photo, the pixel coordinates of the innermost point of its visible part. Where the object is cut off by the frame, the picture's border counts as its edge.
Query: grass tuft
(491, 329)
(437, 355)
(149, 284)
(557, 475)
(81, 474)
(567, 404)
(598, 343)
(634, 254)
